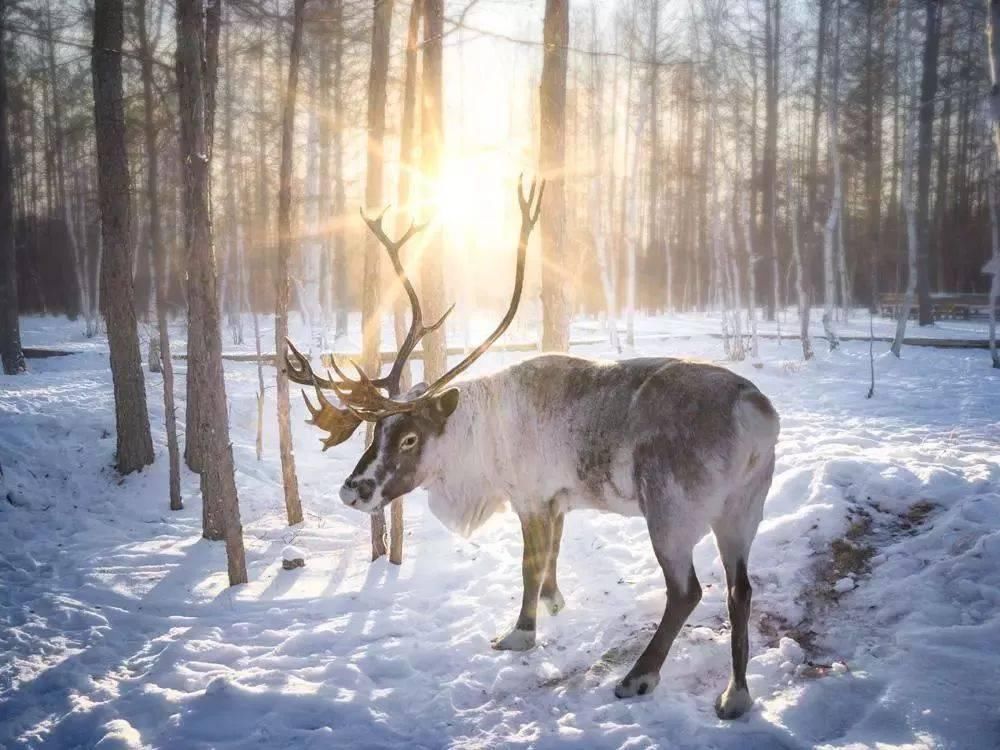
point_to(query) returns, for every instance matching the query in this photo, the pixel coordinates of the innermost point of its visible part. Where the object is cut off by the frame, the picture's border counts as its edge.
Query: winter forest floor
(876, 578)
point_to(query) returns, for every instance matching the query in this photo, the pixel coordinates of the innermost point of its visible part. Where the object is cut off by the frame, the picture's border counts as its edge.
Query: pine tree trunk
(874, 94)
(993, 51)
(159, 253)
(769, 163)
(293, 503)
(432, 149)
(906, 198)
(10, 327)
(552, 156)
(836, 199)
(339, 196)
(993, 267)
(324, 197)
(928, 91)
(135, 445)
(371, 319)
(596, 208)
(87, 283)
(817, 110)
(407, 155)
(653, 250)
(220, 504)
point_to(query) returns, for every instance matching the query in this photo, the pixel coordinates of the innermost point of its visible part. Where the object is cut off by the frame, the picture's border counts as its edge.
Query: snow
(118, 629)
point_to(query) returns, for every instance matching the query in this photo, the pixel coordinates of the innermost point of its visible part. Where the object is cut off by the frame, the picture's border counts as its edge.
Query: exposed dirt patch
(871, 527)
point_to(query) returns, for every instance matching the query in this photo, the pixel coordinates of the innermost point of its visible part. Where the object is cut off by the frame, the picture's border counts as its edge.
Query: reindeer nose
(356, 489)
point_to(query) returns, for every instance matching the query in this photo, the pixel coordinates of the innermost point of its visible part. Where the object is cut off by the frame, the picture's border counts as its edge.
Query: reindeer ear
(442, 405)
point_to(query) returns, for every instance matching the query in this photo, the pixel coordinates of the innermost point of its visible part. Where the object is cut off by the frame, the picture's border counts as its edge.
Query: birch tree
(800, 289)
(289, 479)
(432, 150)
(599, 234)
(371, 320)
(552, 156)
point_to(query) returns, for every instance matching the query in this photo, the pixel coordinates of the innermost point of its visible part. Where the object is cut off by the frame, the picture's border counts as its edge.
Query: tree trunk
(874, 94)
(800, 287)
(87, 283)
(324, 197)
(10, 328)
(993, 50)
(220, 509)
(769, 163)
(135, 445)
(652, 197)
(600, 236)
(159, 253)
(339, 196)
(293, 504)
(371, 319)
(993, 268)
(752, 259)
(407, 157)
(432, 149)
(231, 288)
(928, 91)
(836, 199)
(817, 109)
(906, 198)
(552, 156)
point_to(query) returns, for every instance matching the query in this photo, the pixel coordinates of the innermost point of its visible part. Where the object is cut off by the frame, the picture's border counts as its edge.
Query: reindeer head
(400, 457)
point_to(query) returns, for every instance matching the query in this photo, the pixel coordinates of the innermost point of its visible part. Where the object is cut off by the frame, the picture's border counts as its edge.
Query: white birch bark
(633, 243)
(596, 200)
(845, 280)
(735, 283)
(829, 235)
(751, 276)
(800, 291)
(308, 282)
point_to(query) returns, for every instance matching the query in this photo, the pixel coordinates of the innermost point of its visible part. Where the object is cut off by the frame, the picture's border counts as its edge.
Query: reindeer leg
(673, 544)
(537, 534)
(551, 596)
(736, 700)
(683, 595)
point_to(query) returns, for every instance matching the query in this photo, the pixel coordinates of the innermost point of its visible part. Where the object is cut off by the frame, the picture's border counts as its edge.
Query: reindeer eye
(408, 442)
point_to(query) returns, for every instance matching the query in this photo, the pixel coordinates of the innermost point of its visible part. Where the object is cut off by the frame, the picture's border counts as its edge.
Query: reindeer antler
(340, 423)
(417, 328)
(361, 396)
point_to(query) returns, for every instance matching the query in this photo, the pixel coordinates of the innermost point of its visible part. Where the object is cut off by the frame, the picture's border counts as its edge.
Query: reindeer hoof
(733, 703)
(515, 640)
(554, 602)
(634, 685)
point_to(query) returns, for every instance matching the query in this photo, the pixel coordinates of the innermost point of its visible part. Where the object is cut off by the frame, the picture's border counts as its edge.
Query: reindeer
(687, 445)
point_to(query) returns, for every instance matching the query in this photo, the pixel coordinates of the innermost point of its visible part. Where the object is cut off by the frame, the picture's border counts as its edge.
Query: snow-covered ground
(876, 575)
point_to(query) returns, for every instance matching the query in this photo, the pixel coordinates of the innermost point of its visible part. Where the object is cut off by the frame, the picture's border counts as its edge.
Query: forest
(206, 205)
